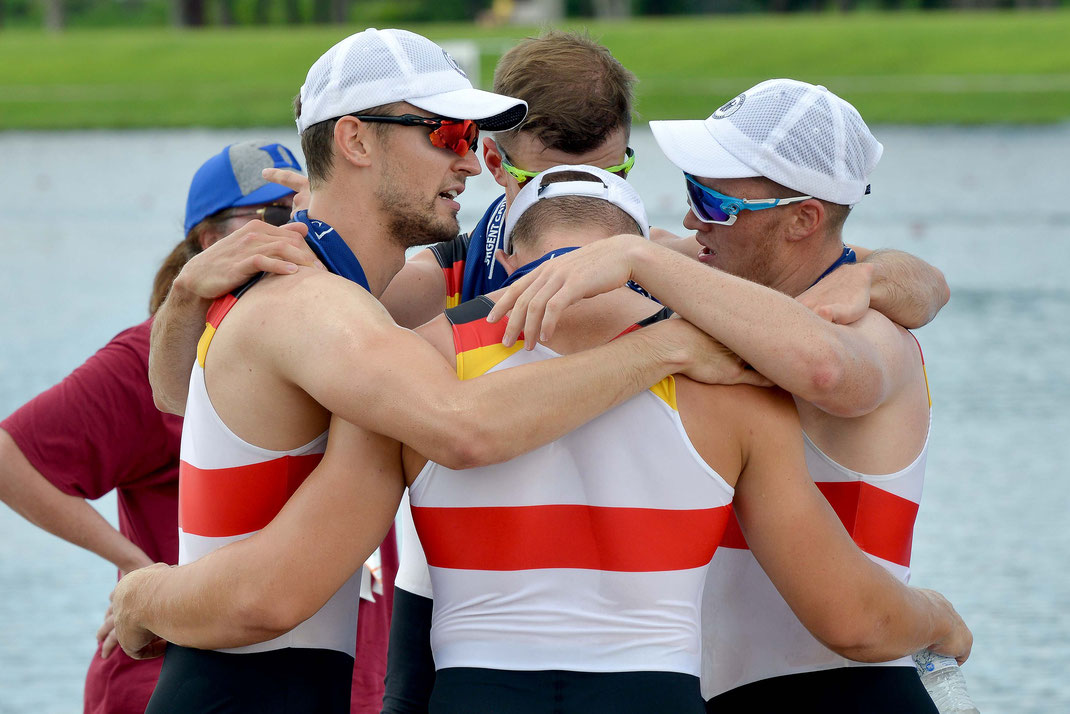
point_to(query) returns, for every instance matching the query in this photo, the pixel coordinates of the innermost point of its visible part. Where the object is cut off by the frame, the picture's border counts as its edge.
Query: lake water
(92, 213)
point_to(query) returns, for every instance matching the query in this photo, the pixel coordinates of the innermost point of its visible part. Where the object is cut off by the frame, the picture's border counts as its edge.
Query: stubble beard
(411, 224)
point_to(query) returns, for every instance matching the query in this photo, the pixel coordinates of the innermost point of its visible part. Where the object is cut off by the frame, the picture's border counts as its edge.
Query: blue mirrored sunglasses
(709, 206)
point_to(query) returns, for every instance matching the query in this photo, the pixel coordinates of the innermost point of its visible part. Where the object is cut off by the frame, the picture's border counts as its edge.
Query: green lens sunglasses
(521, 175)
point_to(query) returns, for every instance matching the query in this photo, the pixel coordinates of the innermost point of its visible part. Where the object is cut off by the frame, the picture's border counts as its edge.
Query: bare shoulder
(311, 301)
(737, 402)
(722, 421)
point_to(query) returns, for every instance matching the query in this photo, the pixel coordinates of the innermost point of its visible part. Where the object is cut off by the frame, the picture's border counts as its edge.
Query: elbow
(943, 290)
(463, 436)
(825, 378)
(941, 295)
(826, 386)
(161, 403)
(469, 451)
(262, 615)
(160, 397)
(167, 406)
(862, 638)
(838, 385)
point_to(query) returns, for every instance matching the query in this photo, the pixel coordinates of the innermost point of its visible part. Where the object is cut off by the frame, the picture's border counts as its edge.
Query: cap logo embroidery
(730, 108)
(453, 63)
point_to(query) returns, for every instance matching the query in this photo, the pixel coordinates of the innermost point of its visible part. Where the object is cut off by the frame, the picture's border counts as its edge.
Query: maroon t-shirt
(98, 430)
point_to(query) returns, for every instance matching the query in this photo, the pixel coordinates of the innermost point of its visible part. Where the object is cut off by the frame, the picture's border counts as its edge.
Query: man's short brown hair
(570, 211)
(317, 141)
(577, 92)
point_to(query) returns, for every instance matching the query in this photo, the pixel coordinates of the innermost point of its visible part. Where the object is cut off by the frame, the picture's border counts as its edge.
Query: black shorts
(410, 667)
(468, 690)
(276, 682)
(847, 690)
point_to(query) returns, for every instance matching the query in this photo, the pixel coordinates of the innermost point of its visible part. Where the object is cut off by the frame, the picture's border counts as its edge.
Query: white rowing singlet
(748, 631)
(588, 554)
(229, 489)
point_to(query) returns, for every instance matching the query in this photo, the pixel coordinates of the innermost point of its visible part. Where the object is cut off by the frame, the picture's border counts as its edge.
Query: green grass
(967, 68)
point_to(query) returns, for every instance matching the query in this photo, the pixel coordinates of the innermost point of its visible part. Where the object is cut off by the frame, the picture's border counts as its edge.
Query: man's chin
(412, 236)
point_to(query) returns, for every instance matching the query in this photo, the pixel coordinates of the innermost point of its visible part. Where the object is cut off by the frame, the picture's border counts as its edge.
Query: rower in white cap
(771, 177)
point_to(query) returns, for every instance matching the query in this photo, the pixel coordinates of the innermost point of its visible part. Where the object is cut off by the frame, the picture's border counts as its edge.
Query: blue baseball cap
(232, 178)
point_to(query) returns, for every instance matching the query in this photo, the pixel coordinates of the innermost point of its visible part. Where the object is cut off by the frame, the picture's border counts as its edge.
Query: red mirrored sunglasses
(457, 135)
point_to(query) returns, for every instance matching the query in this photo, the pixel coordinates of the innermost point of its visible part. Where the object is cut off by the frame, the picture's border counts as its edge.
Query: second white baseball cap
(800, 135)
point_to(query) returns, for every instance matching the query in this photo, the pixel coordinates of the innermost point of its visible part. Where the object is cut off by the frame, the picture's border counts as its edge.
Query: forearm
(900, 620)
(512, 411)
(176, 330)
(776, 335)
(32, 496)
(906, 289)
(207, 604)
(263, 586)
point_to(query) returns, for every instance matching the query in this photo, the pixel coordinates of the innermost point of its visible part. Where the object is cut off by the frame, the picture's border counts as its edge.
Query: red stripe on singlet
(240, 499)
(478, 333)
(569, 536)
(219, 309)
(454, 276)
(881, 523)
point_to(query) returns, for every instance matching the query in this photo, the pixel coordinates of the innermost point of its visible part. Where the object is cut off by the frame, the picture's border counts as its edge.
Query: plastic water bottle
(944, 681)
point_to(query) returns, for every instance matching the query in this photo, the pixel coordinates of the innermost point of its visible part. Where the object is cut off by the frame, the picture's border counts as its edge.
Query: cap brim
(491, 112)
(265, 194)
(690, 146)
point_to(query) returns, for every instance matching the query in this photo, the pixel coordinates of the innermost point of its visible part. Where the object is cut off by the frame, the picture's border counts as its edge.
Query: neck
(557, 238)
(352, 212)
(806, 264)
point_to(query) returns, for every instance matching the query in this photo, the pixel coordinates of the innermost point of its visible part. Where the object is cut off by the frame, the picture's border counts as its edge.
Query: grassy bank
(907, 68)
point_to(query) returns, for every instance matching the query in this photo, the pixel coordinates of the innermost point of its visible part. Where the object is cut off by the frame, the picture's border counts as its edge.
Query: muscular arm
(847, 370)
(905, 289)
(230, 262)
(267, 584)
(407, 391)
(29, 493)
(418, 292)
(848, 602)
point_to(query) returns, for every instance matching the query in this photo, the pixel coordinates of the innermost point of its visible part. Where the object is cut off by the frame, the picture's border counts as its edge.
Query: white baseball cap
(377, 67)
(800, 135)
(609, 187)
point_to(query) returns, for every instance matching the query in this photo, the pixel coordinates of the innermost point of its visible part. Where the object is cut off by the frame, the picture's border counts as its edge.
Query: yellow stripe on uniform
(665, 390)
(202, 344)
(475, 362)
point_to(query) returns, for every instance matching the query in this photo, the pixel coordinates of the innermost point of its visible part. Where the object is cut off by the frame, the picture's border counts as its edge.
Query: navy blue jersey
(468, 262)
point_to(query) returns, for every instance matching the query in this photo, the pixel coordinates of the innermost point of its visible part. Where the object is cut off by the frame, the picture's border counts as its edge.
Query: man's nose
(469, 163)
(692, 223)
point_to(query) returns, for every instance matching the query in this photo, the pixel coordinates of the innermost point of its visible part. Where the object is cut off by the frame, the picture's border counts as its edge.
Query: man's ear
(353, 141)
(492, 158)
(508, 262)
(806, 219)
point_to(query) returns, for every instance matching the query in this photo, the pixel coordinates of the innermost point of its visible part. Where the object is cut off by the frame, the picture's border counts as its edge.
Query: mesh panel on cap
(801, 136)
(856, 158)
(376, 67)
(811, 142)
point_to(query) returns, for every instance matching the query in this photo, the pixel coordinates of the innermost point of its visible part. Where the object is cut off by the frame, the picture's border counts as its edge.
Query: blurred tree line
(57, 14)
